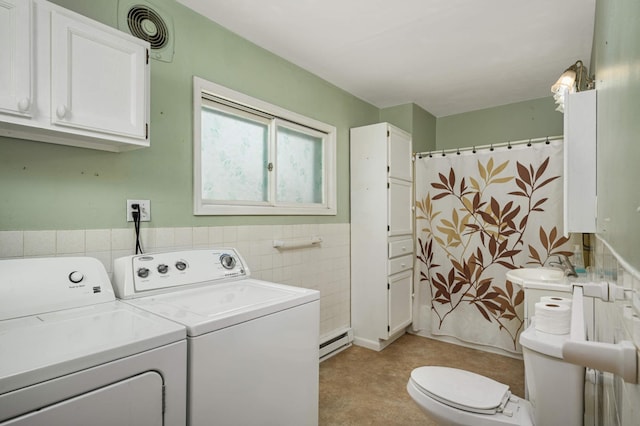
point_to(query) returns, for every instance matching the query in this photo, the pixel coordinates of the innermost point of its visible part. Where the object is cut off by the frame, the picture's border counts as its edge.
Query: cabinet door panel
(580, 162)
(399, 155)
(399, 207)
(400, 301)
(133, 401)
(113, 103)
(15, 57)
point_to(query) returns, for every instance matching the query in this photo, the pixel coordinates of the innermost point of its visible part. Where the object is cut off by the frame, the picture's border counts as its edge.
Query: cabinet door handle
(61, 111)
(24, 104)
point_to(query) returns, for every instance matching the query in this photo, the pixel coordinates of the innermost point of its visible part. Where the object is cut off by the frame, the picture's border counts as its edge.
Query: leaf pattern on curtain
(474, 224)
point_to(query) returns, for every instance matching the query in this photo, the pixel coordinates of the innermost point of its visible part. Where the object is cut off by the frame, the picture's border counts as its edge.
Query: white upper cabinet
(15, 57)
(90, 84)
(97, 80)
(580, 198)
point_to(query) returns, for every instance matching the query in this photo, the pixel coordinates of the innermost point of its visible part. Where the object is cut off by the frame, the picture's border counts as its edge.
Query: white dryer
(253, 350)
(71, 354)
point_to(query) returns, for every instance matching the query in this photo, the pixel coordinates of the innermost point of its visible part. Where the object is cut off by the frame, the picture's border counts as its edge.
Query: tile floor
(363, 387)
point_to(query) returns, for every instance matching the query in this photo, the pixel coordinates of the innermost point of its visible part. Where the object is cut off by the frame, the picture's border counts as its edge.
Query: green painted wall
(400, 116)
(424, 130)
(46, 186)
(616, 55)
(518, 121)
(415, 120)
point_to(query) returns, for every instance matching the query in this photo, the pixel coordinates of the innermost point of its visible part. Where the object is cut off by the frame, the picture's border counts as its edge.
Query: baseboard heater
(332, 345)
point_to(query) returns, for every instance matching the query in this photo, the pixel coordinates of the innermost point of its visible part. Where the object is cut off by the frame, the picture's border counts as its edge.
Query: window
(254, 158)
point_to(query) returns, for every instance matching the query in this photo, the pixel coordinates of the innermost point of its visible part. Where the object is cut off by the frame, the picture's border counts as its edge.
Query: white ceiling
(447, 56)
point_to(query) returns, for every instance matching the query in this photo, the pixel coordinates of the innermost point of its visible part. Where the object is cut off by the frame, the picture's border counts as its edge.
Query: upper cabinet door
(15, 57)
(99, 80)
(580, 163)
(400, 213)
(399, 154)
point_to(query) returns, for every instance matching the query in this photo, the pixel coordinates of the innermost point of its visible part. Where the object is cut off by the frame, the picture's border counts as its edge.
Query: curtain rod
(444, 152)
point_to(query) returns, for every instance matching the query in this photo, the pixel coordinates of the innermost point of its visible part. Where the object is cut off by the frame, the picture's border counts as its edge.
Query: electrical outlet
(145, 210)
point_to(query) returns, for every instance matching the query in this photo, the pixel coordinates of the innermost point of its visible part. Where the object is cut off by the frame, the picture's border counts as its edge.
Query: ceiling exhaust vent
(148, 22)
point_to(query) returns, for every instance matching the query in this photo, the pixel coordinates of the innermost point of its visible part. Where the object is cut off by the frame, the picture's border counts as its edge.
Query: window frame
(206, 91)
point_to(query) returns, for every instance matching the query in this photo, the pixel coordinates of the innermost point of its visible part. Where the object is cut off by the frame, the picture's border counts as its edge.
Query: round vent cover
(146, 24)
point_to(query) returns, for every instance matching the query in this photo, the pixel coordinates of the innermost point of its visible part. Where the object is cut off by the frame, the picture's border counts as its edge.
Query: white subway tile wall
(323, 267)
(616, 321)
(39, 243)
(11, 244)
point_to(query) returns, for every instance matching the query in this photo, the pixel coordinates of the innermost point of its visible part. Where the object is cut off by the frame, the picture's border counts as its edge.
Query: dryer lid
(462, 389)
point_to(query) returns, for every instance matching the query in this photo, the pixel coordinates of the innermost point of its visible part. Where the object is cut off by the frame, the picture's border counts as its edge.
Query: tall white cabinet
(67, 79)
(381, 234)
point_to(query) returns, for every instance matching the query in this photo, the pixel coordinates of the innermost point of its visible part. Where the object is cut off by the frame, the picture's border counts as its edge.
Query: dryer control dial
(227, 261)
(75, 277)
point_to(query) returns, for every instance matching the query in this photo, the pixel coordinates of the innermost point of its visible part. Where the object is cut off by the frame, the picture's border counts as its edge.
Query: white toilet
(457, 397)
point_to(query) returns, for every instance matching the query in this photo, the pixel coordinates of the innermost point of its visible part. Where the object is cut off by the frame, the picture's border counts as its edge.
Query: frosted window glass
(299, 171)
(255, 158)
(234, 157)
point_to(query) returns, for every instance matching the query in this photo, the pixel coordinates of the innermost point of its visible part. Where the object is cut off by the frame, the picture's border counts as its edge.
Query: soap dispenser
(578, 260)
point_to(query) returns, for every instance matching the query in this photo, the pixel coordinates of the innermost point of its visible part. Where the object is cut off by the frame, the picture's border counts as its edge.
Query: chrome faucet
(565, 264)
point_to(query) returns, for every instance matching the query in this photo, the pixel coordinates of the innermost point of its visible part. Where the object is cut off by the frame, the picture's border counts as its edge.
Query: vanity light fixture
(573, 79)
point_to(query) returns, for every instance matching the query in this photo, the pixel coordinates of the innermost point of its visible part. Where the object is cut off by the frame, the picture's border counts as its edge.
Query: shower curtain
(479, 214)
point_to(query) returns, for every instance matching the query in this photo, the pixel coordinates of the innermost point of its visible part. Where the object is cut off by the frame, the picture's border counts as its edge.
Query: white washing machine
(252, 345)
(71, 354)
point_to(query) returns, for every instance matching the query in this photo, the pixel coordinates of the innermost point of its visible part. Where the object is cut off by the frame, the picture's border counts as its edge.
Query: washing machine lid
(42, 347)
(213, 307)
(462, 389)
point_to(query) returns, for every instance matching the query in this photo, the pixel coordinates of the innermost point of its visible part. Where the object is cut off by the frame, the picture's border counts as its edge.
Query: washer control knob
(143, 272)
(162, 268)
(75, 277)
(180, 265)
(227, 261)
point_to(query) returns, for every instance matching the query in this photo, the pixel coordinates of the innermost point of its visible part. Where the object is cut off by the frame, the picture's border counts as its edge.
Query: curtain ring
(509, 145)
(443, 154)
(458, 151)
(474, 149)
(529, 144)
(430, 156)
(547, 141)
(491, 147)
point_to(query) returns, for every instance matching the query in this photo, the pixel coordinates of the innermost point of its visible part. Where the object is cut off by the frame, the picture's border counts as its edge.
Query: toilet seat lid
(462, 389)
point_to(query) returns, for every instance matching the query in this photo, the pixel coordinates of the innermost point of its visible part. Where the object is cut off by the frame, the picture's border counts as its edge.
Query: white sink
(545, 275)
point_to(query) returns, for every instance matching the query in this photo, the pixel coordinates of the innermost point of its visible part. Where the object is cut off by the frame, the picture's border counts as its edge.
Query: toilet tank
(555, 387)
